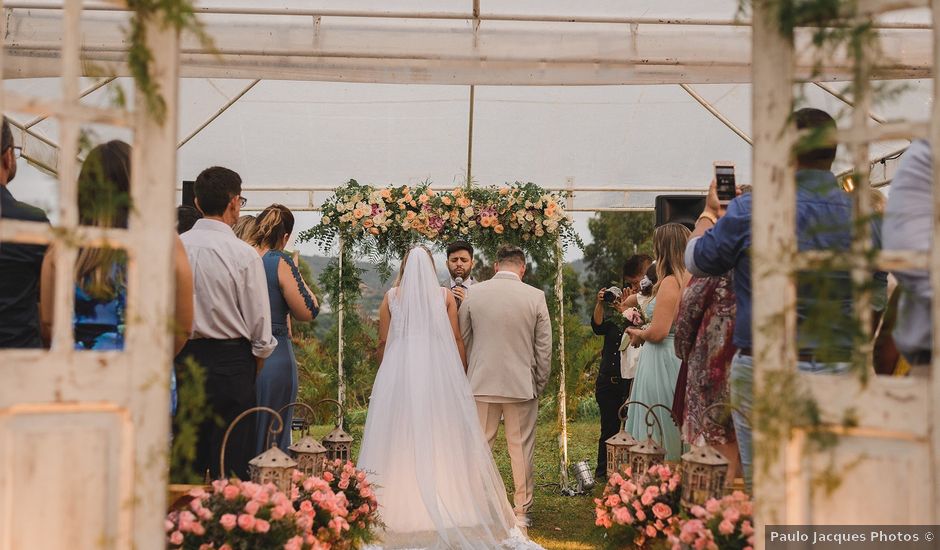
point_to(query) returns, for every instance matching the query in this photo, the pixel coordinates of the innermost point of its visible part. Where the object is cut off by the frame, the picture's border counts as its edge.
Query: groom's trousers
(519, 419)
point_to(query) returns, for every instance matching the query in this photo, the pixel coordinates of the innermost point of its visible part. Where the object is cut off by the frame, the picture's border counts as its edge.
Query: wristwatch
(708, 216)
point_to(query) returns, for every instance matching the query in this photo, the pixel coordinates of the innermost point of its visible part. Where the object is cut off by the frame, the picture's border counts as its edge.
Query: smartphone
(724, 178)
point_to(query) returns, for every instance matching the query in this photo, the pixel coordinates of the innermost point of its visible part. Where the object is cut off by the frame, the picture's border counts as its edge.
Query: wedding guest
(704, 331)
(722, 242)
(630, 355)
(244, 228)
(460, 266)
(99, 319)
(611, 388)
(186, 217)
(658, 366)
(908, 225)
(289, 295)
(232, 328)
(19, 263)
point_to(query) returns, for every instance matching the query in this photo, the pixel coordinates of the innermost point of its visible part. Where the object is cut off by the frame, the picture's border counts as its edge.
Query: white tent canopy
(586, 97)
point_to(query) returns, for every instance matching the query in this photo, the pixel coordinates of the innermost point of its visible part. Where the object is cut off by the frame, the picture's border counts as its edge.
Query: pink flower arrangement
(727, 523)
(316, 515)
(639, 510)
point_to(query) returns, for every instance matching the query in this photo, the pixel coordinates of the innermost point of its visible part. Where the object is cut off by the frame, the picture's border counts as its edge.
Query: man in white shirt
(232, 321)
(460, 265)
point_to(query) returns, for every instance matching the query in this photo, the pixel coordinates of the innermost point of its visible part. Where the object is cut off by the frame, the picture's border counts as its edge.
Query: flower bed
(644, 512)
(335, 512)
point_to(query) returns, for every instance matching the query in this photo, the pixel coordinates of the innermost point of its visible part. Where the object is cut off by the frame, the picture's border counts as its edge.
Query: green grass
(558, 522)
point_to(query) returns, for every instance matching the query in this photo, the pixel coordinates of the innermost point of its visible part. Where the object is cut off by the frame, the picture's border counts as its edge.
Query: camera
(612, 294)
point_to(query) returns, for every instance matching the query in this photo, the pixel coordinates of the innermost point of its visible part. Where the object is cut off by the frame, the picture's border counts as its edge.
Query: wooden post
(340, 315)
(933, 396)
(562, 390)
(774, 242)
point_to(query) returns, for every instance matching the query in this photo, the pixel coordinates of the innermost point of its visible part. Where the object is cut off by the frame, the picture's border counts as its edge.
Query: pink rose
(230, 492)
(246, 522)
(650, 531)
(198, 529)
(225, 546)
(168, 525)
(252, 507)
(622, 516)
(746, 528)
(327, 476)
(698, 511)
(713, 506)
(640, 515)
(662, 510)
(613, 500)
(732, 515)
(649, 495)
(176, 538)
(262, 526)
(700, 544)
(306, 506)
(725, 527)
(228, 521)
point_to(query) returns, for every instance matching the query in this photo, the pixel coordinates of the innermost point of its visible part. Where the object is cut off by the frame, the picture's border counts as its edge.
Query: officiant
(460, 266)
(611, 389)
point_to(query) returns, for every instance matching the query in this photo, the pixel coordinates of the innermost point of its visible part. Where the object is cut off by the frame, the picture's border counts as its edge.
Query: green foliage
(178, 15)
(306, 329)
(191, 412)
(384, 223)
(616, 236)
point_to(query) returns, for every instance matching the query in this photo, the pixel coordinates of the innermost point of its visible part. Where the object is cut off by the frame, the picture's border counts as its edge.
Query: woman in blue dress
(658, 367)
(289, 295)
(99, 317)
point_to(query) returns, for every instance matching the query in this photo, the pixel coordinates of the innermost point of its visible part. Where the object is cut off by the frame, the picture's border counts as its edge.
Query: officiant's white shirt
(230, 287)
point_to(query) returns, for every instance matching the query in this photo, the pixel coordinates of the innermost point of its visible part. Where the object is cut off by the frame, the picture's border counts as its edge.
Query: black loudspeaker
(684, 209)
(189, 194)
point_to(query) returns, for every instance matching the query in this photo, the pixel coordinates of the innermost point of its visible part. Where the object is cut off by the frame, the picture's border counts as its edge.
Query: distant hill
(374, 288)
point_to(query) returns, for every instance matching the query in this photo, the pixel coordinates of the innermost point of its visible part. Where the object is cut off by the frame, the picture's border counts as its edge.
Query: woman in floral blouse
(704, 328)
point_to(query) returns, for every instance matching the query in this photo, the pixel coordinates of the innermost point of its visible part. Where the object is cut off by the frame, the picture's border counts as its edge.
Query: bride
(423, 446)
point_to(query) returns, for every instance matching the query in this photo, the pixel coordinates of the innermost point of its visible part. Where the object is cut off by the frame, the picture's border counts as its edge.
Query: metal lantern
(704, 469)
(338, 443)
(310, 455)
(273, 466)
(703, 475)
(308, 452)
(618, 446)
(648, 452)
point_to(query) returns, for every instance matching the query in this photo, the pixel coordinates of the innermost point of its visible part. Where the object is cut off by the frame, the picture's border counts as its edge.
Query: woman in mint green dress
(658, 366)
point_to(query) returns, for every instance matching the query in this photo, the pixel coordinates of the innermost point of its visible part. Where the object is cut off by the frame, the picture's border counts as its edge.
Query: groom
(508, 336)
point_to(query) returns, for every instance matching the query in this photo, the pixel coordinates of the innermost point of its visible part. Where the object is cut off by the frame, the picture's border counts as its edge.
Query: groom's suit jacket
(508, 336)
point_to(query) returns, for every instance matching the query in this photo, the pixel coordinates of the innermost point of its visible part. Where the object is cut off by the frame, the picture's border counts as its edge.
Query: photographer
(610, 389)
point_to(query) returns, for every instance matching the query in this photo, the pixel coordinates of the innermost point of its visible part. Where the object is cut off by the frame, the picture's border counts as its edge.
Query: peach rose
(176, 538)
(498, 229)
(262, 526)
(504, 191)
(662, 510)
(463, 202)
(374, 231)
(446, 200)
(725, 527)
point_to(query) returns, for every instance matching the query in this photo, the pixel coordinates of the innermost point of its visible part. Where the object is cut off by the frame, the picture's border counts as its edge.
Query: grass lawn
(558, 522)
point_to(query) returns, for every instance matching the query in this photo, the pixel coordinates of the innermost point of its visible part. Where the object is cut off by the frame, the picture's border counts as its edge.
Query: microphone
(458, 281)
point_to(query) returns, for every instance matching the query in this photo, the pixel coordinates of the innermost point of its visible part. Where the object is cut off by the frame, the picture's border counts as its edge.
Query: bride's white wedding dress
(436, 482)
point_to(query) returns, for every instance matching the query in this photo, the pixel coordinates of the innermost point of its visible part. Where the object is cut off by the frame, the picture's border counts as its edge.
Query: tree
(615, 237)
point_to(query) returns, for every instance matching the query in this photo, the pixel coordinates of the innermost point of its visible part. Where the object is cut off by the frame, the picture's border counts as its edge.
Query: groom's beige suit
(508, 337)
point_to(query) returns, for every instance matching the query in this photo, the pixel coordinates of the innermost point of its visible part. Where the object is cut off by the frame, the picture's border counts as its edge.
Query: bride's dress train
(436, 482)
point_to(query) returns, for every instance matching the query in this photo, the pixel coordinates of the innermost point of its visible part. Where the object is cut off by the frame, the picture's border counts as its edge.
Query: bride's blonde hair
(404, 261)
